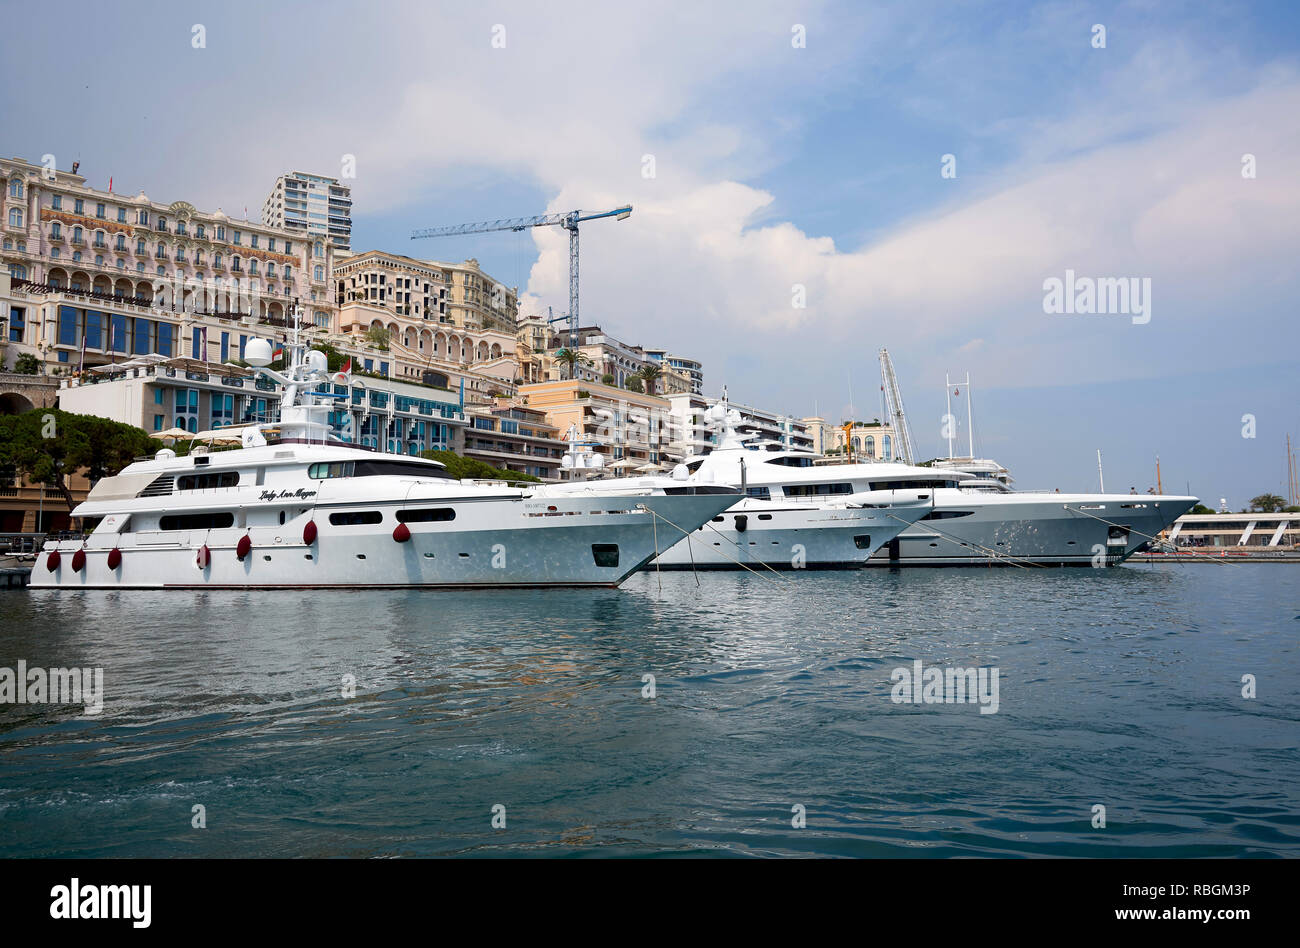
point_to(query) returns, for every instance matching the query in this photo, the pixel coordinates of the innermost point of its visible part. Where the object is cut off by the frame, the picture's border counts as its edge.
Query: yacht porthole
(361, 556)
(306, 556)
(267, 558)
(428, 556)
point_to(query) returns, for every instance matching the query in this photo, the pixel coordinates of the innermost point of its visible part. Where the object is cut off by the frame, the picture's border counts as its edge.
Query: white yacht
(294, 507)
(789, 529)
(976, 518)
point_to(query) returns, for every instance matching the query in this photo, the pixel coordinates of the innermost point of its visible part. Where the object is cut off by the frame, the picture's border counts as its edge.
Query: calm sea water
(1119, 687)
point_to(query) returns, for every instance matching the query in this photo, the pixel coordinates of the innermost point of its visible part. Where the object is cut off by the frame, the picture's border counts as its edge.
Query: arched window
(870, 443)
(252, 266)
(121, 243)
(288, 272)
(270, 271)
(856, 446)
(887, 447)
(216, 259)
(56, 230)
(320, 249)
(17, 271)
(15, 188)
(9, 244)
(99, 259)
(139, 247)
(121, 264)
(319, 273)
(76, 235)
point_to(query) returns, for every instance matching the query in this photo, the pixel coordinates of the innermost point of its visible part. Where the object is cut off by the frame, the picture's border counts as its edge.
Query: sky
(780, 154)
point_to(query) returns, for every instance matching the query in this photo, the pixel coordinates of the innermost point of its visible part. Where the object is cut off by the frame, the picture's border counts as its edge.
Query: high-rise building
(311, 205)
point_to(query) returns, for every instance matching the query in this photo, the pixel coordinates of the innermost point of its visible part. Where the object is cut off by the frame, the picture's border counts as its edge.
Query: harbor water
(408, 723)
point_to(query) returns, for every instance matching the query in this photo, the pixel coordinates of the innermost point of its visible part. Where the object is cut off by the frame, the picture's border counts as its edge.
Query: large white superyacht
(794, 530)
(294, 507)
(972, 519)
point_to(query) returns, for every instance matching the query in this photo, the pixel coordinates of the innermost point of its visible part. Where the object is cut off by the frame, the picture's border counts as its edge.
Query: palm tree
(572, 358)
(650, 375)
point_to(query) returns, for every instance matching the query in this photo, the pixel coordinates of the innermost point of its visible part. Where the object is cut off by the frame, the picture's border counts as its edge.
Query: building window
(79, 206)
(237, 238)
(143, 218)
(56, 230)
(56, 202)
(101, 212)
(199, 232)
(17, 271)
(320, 249)
(319, 273)
(121, 215)
(15, 217)
(17, 320)
(253, 241)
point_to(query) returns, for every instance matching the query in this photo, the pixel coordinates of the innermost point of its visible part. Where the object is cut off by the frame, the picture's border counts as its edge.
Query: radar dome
(258, 352)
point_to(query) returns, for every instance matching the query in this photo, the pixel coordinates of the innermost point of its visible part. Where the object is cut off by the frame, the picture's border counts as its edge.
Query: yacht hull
(1019, 529)
(772, 535)
(549, 542)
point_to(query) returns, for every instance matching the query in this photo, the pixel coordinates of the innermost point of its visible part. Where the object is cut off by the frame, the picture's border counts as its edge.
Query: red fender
(203, 557)
(402, 533)
(52, 561)
(309, 533)
(79, 561)
(114, 558)
(243, 547)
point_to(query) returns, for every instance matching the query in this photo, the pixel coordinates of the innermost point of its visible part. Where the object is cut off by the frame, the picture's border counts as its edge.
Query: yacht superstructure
(293, 507)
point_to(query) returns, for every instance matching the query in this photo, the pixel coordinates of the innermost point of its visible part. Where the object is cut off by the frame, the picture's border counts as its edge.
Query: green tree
(650, 375)
(633, 384)
(1268, 503)
(458, 467)
(572, 358)
(379, 337)
(1200, 509)
(607, 379)
(27, 364)
(48, 446)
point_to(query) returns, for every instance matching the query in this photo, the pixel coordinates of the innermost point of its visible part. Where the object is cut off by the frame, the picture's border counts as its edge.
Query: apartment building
(311, 206)
(397, 312)
(627, 426)
(96, 276)
(475, 300)
(680, 374)
(515, 438)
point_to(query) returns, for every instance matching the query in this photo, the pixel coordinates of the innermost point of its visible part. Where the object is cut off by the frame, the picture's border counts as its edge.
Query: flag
(956, 392)
(279, 351)
(344, 372)
(110, 184)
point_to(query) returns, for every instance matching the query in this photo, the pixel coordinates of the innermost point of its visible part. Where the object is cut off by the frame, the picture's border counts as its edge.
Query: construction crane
(894, 408)
(569, 221)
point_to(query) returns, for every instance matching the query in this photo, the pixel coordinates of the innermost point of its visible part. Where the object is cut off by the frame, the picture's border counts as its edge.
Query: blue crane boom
(568, 220)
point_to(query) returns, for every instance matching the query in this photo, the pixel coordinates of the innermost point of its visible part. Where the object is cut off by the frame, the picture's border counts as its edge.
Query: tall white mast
(970, 419)
(947, 418)
(894, 408)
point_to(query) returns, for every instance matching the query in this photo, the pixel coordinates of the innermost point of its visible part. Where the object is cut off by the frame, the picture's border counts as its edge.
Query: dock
(15, 577)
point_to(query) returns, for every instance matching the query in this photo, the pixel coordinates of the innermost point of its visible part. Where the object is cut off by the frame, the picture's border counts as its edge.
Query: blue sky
(776, 166)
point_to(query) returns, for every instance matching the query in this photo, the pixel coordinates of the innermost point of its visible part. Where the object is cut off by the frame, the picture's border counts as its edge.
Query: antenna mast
(894, 408)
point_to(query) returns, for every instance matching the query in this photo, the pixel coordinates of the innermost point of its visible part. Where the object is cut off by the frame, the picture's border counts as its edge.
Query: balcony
(57, 236)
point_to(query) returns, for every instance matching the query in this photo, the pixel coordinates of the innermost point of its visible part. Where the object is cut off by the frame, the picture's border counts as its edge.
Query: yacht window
(400, 468)
(198, 521)
(353, 518)
(762, 493)
(426, 515)
(792, 461)
(208, 480)
(694, 466)
(862, 541)
(333, 469)
(946, 514)
(605, 554)
(811, 490)
(911, 484)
